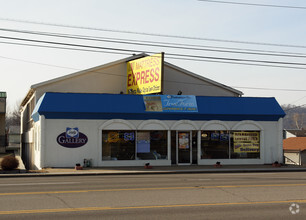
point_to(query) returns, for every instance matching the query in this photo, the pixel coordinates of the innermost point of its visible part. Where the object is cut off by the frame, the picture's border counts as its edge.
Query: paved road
(175, 196)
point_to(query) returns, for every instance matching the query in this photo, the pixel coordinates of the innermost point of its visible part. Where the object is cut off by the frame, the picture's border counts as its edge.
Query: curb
(109, 173)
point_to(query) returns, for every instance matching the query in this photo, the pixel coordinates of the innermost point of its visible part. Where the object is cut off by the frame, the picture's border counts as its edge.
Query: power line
(64, 48)
(172, 81)
(298, 100)
(275, 89)
(167, 43)
(253, 4)
(167, 56)
(153, 34)
(152, 44)
(237, 63)
(69, 44)
(172, 54)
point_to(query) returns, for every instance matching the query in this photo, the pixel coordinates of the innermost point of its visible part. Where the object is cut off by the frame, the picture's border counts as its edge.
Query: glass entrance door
(184, 147)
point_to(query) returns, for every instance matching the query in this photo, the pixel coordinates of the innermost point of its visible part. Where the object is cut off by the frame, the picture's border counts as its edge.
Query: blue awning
(132, 107)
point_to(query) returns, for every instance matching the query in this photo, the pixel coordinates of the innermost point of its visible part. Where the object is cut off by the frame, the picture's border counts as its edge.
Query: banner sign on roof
(153, 103)
(171, 103)
(144, 75)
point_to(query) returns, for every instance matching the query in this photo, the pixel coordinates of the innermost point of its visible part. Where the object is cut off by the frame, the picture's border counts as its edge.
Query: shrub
(9, 163)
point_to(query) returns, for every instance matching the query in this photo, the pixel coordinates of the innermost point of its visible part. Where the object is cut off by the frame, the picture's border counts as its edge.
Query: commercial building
(109, 116)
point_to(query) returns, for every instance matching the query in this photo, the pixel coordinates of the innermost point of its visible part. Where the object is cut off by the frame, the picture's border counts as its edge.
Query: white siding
(54, 155)
(292, 158)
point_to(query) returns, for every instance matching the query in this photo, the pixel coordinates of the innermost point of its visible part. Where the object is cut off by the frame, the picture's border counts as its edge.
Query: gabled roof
(297, 133)
(132, 107)
(295, 143)
(204, 79)
(88, 70)
(35, 86)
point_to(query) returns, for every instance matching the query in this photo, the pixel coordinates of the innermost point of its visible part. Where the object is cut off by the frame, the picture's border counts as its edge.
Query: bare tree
(12, 117)
(298, 119)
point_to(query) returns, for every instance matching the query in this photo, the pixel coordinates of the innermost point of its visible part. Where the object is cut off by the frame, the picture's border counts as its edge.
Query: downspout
(42, 140)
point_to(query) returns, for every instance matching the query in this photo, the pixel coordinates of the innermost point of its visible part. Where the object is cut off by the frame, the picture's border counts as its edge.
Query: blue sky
(22, 66)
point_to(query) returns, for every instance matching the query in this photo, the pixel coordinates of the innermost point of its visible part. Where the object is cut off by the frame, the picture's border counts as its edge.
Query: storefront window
(245, 144)
(214, 145)
(122, 145)
(118, 145)
(151, 145)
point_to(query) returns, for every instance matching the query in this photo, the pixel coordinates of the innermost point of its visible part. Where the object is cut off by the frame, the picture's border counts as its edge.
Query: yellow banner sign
(246, 142)
(246, 137)
(246, 147)
(144, 75)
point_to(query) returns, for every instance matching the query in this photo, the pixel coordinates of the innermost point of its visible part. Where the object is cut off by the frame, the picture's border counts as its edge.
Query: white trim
(29, 96)
(280, 141)
(184, 125)
(117, 124)
(199, 146)
(43, 129)
(177, 147)
(239, 125)
(153, 125)
(217, 123)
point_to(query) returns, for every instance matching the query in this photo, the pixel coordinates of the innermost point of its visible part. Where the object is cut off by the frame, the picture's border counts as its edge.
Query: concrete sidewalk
(155, 170)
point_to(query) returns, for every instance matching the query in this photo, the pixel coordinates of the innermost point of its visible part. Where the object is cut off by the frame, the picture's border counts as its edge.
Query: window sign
(129, 136)
(215, 136)
(113, 137)
(246, 142)
(250, 137)
(246, 147)
(183, 140)
(224, 137)
(143, 142)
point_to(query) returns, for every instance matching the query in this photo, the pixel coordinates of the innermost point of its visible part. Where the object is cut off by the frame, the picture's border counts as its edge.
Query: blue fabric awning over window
(132, 107)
